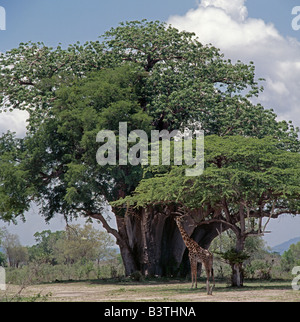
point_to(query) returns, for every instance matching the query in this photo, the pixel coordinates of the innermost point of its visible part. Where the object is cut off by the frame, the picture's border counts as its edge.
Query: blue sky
(66, 21)
(258, 30)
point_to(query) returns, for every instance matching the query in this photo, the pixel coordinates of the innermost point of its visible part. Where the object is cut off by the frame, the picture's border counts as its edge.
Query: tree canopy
(172, 81)
(257, 175)
(248, 170)
(182, 81)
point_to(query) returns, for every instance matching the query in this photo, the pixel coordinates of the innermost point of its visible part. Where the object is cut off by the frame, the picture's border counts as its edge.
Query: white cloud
(235, 8)
(277, 87)
(14, 121)
(226, 25)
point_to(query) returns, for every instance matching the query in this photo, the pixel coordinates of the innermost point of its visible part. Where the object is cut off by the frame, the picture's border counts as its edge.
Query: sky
(249, 30)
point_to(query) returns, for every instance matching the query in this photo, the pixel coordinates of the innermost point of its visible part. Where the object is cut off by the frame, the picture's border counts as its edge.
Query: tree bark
(237, 276)
(150, 241)
(127, 252)
(122, 240)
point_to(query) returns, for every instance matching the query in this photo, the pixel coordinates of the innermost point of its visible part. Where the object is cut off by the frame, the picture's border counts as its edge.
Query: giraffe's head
(179, 219)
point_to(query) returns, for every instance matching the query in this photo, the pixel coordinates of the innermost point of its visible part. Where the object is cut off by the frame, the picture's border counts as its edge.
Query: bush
(291, 257)
(137, 276)
(258, 268)
(2, 259)
(36, 273)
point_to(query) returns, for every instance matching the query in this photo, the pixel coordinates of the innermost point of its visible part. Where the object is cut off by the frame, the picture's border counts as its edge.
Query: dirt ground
(154, 292)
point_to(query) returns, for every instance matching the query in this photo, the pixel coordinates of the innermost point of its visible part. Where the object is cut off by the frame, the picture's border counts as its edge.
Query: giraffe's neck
(186, 238)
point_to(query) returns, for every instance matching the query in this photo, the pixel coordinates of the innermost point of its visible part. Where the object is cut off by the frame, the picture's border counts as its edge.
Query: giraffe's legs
(193, 272)
(209, 272)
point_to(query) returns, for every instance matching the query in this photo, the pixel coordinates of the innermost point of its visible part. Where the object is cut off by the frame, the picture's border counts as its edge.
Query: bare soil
(154, 291)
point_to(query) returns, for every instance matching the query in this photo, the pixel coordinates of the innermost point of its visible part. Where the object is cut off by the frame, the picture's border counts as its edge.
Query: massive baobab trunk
(151, 242)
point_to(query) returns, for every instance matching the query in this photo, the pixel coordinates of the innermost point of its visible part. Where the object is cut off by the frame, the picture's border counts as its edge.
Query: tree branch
(207, 222)
(29, 83)
(106, 226)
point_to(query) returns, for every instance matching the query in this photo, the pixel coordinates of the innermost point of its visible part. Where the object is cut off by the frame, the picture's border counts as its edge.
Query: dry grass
(154, 291)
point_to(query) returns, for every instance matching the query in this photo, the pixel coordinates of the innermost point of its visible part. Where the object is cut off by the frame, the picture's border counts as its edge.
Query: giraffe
(197, 255)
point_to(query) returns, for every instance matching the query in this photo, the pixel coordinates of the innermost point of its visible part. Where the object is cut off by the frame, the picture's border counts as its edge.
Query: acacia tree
(70, 94)
(74, 244)
(16, 254)
(82, 244)
(245, 180)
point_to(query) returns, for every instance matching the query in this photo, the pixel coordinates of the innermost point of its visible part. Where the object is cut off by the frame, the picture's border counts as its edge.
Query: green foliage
(291, 257)
(259, 268)
(43, 250)
(187, 81)
(3, 259)
(32, 72)
(15, 192)
(57, 164)
(234, 257)
(237, 169)
(74, 245)
(76, 253)
(83, 245)
(145, 73)
(257, 260)
(137, 276)
(46, 273)
(15, 253)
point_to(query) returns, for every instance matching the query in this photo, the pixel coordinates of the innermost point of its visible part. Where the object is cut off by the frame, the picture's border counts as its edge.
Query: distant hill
(281, 248)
